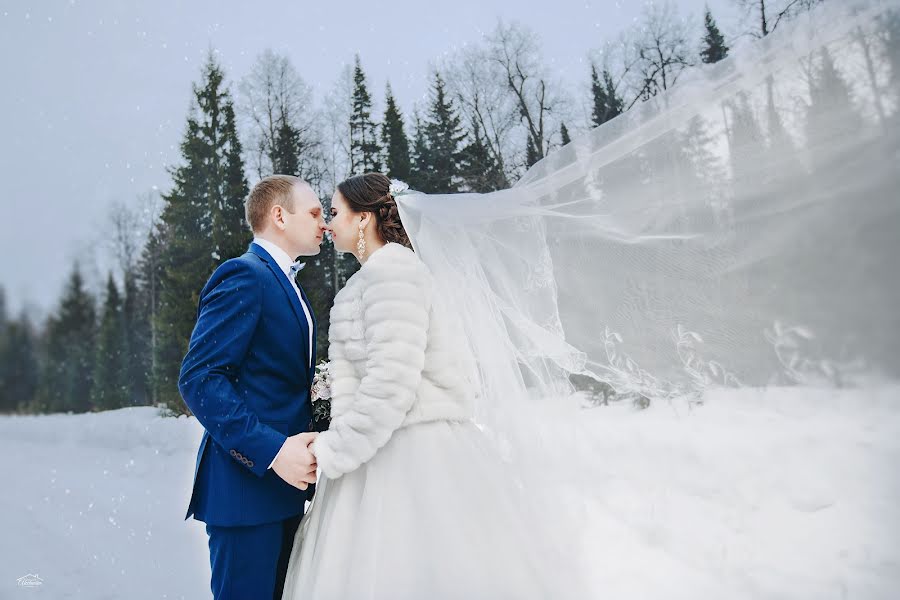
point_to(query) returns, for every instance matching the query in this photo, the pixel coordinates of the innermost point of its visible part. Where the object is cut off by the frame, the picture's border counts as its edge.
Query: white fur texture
(393, 362)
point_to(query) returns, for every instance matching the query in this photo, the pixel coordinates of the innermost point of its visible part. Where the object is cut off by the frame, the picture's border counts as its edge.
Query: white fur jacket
(393, 360)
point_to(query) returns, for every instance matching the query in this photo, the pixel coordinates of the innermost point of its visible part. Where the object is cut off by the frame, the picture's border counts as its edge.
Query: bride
(412, 501)
(738, 230)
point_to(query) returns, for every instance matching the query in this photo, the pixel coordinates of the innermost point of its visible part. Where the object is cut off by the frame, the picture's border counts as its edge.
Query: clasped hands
(296, 463)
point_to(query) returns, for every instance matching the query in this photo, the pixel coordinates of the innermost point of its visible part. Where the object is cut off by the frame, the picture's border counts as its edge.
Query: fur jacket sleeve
(385, 309)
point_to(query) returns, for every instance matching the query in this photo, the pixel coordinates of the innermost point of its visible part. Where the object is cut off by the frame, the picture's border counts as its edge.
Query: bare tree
(864, 39)
(274, 94)
(659, 50)
(338, 106)
(130, 227)
(618, 58)
(336, 159)
(769, 15)
(483, 94)
(514, 51)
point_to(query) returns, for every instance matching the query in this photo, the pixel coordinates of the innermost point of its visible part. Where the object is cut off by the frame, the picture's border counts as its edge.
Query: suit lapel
(312, 317)
(291, 294)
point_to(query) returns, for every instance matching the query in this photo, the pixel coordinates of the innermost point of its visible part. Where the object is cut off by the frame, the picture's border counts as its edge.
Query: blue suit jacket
(247, 378)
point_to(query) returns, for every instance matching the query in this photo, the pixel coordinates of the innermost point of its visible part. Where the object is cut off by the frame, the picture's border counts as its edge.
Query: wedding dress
(413, 501)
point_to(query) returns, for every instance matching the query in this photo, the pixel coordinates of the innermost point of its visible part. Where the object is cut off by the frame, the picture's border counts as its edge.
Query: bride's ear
(364, 221)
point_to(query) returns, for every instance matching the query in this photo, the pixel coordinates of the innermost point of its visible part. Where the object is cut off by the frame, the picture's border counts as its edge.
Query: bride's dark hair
(370, 192)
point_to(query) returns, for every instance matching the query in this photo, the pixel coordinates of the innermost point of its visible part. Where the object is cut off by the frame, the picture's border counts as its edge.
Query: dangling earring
(361, 244)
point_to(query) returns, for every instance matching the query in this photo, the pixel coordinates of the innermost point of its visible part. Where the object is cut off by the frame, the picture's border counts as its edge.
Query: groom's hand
(295, 463)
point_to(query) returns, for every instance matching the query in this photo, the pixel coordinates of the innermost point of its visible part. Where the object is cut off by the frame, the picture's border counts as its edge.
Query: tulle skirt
(434, 515)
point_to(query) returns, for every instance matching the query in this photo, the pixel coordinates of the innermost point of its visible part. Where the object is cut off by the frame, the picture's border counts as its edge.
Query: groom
(247, 377)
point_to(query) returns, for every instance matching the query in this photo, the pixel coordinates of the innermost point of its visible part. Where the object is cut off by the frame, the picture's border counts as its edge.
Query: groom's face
(305, 227)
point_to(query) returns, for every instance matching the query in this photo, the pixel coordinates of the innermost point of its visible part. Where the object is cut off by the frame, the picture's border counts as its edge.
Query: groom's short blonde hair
(270, 191)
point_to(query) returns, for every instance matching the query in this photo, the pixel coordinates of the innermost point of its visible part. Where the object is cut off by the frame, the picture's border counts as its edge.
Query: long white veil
(742, 229)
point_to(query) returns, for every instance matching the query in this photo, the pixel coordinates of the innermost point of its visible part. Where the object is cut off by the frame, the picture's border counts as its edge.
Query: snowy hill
(755, 494)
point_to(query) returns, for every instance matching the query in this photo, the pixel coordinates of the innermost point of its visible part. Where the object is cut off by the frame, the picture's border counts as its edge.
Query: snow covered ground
(94, 505)
(755, 494)
(779, 493)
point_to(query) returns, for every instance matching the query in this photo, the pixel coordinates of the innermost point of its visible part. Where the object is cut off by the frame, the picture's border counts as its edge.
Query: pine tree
(442, 138)
(697, 166)
(202, 224)
(5, 355)
(564, 134)
(286, 150)
(317, 279)
(394, 141)
(615, 104)
(5, 350)
(145, 333)
(478, 169)
(67, 378)
(778, 137)
(714, 48)
(598, 90)
(607, 103)
(743, 132)
(830, 114)
(363, 131)
(19, 368)
(136, 332)
(230, 228)
(110, 381)
(531, 152)
(421, 169)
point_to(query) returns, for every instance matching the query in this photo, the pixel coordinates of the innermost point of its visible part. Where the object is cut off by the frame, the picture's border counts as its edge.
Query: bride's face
(344, 224)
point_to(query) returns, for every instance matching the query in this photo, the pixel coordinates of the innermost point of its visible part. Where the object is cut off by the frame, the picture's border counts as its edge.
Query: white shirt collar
(281, 257)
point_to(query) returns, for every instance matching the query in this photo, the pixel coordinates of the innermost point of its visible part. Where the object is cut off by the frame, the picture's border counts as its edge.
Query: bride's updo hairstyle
(370, 192)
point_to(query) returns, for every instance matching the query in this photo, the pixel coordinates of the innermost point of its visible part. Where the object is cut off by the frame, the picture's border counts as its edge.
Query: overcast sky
(95, 94)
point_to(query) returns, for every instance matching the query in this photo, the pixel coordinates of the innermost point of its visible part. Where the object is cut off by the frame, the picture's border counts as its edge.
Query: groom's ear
(277, 215)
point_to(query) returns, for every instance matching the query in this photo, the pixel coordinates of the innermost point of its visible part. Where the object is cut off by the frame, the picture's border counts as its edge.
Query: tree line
(493, 109)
